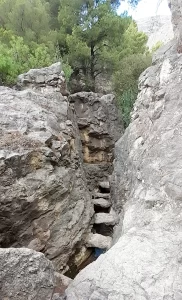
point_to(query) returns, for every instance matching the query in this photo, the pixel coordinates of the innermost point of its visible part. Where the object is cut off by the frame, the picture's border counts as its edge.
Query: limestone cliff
(145, 263)
(157, 28)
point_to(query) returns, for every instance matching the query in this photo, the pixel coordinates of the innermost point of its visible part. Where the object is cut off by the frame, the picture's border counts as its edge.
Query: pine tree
(89, 30)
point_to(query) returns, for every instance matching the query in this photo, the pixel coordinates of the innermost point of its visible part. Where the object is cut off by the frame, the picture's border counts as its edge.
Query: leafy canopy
(93, 38)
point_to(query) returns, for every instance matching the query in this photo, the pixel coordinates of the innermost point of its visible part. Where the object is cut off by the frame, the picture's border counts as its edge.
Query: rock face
(45, 80)
(25, 274)
(51, 149)
(44, 200)
(157, 28)
(146, 262)
(100, 128)
(175, 6)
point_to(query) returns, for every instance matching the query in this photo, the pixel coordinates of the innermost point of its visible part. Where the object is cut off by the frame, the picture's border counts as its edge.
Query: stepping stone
(102, 202)
(98, 241)
(105, 185)
(107, 219)
(102, 195)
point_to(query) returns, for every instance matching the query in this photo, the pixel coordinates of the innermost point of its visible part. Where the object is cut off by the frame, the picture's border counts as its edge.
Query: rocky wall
(146, 261)
(100, 127)
(175, 6)
(49, 146)
(44, 199)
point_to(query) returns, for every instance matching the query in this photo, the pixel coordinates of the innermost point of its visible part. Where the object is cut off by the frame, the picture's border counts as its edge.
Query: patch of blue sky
(145, 8)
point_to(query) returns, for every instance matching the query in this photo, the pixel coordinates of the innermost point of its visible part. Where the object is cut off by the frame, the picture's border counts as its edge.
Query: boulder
(108, 219)
(46, 79)
(98, 241)
(44, 201)
(102, 202)
(25, 274)
(105, 185)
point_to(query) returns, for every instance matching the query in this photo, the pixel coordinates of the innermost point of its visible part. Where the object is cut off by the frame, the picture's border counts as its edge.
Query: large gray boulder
(25, 275)
(44, 201)
(146, 262)
(46, 79)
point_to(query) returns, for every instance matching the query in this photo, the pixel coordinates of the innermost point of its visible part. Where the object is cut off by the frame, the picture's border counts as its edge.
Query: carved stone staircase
(104, 218)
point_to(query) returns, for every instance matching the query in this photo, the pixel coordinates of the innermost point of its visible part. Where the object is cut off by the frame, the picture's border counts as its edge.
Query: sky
(146, 8)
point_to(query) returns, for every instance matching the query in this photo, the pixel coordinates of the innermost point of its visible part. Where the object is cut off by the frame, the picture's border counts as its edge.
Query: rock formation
(99, 126)
(157, 28)
(49, 79)
(177, 22)
(46, 182)
(45, 203)
(146, 261)
(27, 274)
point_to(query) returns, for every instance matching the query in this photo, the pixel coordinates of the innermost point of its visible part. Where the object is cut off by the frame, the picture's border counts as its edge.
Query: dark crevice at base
(74, 269)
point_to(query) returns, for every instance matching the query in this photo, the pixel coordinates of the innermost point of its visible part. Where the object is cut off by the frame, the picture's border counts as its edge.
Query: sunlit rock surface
(157, 28)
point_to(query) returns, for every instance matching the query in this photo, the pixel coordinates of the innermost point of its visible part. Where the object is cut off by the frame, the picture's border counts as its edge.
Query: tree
(54, 10)
(89, 32)
(28, 19)
(17, 57)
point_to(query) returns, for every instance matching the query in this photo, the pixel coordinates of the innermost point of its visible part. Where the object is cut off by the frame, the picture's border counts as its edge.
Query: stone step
(103, 218)
(102, 202)
(98, 241)
(102, 195)
(105, 185)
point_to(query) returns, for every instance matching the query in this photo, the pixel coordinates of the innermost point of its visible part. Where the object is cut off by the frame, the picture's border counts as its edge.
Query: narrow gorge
(56, 157)
(89, 211)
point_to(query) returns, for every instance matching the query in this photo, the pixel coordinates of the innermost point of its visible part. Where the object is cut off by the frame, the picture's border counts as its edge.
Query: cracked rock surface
(44, 201)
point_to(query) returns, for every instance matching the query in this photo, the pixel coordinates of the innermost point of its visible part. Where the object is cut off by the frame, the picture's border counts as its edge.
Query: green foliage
(129, 70)
(125, 81)
(93, 38)
(67, 70)
(29, 19)
(156, 46)
(134, 42)
(16, 57)
(125, 102)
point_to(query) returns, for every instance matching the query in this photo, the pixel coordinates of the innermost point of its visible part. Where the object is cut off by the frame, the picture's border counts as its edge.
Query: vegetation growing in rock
(86, 35)
(156, 46)
(125, 81)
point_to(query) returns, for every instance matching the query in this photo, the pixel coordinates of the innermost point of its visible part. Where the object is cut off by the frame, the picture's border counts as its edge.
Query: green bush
(16, 57)
(125, 102)
(67, 70)
(125, 82)
(156, 46)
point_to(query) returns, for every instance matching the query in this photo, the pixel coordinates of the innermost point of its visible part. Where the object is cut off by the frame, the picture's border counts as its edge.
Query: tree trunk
(92, 65)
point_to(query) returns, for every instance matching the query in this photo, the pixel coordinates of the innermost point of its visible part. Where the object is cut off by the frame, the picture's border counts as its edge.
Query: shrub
(125, 82)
